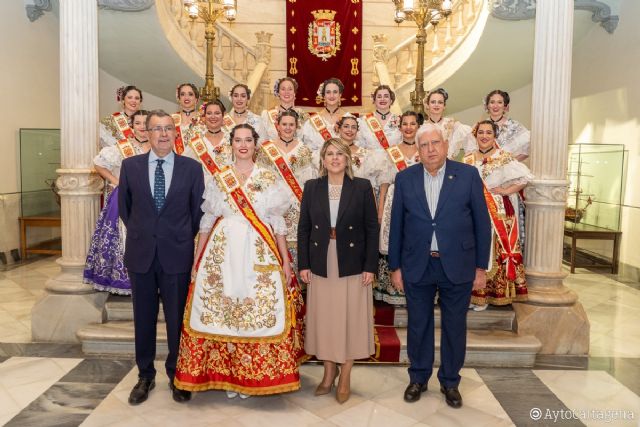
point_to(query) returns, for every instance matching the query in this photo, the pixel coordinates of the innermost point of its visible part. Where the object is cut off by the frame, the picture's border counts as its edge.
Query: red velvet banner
(324, 39)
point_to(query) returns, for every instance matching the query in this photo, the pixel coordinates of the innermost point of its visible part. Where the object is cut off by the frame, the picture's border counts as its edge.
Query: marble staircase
(491, 338)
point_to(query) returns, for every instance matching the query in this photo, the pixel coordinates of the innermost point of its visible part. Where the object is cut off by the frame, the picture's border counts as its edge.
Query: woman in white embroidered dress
(504, 177)
(242, 324)
(512, 136)
(458, 134)
(330, 91)
(187, 95)
(240, 95)
(383, 290)
(298, 158)
(383, 98)
(214, 137)
(131, 99)
(104, 267)
(285, 90)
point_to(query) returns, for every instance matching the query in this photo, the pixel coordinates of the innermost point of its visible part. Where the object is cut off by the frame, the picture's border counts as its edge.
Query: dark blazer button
(351, 245)
(316, 227)
(351, 227)
(315, 243)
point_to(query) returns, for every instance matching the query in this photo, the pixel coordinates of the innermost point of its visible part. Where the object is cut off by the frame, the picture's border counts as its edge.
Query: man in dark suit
(439, 240)
(159, 203)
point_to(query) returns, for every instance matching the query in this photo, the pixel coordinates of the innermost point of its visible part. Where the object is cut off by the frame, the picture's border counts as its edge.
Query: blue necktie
(158, 187)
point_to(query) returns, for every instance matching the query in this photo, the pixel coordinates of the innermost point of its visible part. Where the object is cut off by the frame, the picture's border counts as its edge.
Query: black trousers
(454, 305)
(147, 289)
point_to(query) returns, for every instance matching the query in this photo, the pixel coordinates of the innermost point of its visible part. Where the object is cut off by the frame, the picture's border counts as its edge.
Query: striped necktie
(158, 186)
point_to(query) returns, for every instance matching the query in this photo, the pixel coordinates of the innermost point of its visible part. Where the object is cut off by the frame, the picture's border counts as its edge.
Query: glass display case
(595, 174)
(39, 159)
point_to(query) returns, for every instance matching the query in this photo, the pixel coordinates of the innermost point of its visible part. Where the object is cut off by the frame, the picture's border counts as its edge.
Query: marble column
(67, 303)
(553, 313)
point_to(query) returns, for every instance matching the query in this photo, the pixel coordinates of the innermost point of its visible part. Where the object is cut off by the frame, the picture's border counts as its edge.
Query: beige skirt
(339, 322)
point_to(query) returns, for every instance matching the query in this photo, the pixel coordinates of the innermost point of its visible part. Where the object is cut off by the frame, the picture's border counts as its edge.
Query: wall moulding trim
(126, 5)
(36, 8)
(517, 10)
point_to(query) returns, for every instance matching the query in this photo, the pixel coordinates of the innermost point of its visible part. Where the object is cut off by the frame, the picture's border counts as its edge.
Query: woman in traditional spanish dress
(503, 178)
(117, 126)
(383, 290)
(215, 139)
(322, 124)
(104, 267)
(284, 90)
(512, 136)
(290, 159)
(458, 134)
(187, 120)
(240, 95)
(379, 129)
(242, 329)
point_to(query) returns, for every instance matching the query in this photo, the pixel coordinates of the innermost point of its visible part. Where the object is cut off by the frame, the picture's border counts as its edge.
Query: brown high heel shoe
(343, 396)
(321, 389)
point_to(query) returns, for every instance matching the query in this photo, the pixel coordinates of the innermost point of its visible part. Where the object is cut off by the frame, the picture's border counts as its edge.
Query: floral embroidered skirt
(500, 290)
(104, 267)
(227, 296)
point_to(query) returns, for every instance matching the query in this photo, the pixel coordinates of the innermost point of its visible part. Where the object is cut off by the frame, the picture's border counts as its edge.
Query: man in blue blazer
(159, 203)
(439, 241)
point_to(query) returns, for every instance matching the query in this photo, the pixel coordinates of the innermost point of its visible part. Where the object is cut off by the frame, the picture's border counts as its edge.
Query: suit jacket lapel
(345, 196)
(175, 177)
(418, 182)
(144, 168)
(323, 197)
(448, 182)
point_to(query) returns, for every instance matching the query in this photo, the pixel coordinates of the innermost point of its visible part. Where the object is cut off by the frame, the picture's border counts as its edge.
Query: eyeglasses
(163, 129)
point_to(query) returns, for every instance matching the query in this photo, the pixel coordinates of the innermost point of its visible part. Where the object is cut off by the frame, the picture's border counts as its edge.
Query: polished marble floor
(54, 384)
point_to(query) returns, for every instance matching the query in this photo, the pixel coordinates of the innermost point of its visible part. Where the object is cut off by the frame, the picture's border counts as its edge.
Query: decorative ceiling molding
(36, 8)
(126, 5)
(516, 10)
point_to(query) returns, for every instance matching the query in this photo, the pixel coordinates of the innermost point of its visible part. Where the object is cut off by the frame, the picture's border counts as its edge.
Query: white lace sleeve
(269, 130)
(384, 167)
(515, 139)
(255, 121)
(310, 137)
(106, 137)
(278, 200)
(108, 158)
(459, 138)
(212, 206)
(511, 173)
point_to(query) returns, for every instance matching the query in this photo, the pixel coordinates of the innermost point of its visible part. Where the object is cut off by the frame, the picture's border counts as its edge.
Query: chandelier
(210, 11)
(422, 12)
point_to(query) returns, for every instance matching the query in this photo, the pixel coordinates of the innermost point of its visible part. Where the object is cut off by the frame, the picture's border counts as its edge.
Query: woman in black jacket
(337, 257)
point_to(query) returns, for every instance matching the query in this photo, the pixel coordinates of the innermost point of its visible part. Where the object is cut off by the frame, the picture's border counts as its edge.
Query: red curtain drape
(324, 39)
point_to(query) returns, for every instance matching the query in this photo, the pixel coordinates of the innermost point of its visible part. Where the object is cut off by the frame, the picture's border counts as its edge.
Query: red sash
(318, 125)
(272, 152)
(200, 148)
(122, 124)
(508, 240)
(231, 185)
(126, 148)
(179, 144)
(394, 152)
(228, 123)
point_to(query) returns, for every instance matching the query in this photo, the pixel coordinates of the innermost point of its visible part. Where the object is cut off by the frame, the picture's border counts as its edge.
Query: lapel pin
(450, 176)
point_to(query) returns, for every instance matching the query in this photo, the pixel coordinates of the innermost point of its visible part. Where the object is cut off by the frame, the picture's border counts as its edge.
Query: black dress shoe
(452, 396)
(413, 391)
(179, 396)
(141, 390)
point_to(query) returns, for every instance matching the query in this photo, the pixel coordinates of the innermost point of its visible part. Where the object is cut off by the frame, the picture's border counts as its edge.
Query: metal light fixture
(210, 11)
(422, 12)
